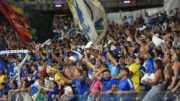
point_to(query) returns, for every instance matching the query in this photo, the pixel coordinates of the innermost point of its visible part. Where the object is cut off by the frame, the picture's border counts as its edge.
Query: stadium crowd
(133, 57)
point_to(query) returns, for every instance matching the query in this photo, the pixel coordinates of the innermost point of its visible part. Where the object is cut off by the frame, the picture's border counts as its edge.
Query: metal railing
(163, 96)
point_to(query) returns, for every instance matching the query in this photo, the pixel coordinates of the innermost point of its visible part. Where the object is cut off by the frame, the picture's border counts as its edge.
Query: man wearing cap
(134, 73)
(91, 66)
(125, 85)
(69, 67)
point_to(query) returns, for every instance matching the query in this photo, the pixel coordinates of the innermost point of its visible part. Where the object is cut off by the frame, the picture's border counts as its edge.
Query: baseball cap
(42, 72)
(55, 68)
(35, 66)
(72, 58)
(99, 60)
(133, 56)
(1, 69)
(121, 56)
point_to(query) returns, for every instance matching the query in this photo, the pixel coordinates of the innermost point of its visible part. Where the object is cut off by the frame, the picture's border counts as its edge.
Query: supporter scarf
(77, 54)
(13, 51)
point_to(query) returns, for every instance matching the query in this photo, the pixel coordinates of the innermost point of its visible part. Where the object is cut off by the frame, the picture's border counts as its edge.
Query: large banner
(91, 18)
(16, 18)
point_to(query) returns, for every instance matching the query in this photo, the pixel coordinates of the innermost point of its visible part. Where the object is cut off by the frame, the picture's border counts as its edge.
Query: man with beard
(109, 84)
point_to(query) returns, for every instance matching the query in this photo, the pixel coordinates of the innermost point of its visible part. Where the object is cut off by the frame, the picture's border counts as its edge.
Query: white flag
(91, 18)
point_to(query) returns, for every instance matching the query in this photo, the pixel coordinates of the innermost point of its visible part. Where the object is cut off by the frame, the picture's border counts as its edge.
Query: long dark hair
(56, 85)
(27, 83)
(160, 66)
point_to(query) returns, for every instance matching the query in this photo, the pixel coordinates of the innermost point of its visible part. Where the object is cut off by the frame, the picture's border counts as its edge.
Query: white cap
(72, 58)
(157, 35)
(55, 31)
(109, 42)
(142, 37)
(88, 45)
(113, 47)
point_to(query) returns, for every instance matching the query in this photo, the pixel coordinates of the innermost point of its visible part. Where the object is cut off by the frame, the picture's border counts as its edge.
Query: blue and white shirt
(125, 85)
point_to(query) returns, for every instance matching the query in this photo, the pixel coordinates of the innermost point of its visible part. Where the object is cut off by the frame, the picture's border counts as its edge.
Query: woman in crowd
(52, 92)
(156, 83)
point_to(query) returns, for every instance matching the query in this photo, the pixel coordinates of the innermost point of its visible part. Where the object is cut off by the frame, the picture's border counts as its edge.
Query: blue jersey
(150, 65)
(125, 85)
(24, 73)
(107, 84)
(56, 91)
(1, 93)
(81, 87)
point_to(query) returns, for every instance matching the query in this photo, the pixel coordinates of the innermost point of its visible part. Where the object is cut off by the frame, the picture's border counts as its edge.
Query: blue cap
(99, 60)
(34, 65)
(28, 61)
(1, 69)
(133, 56)
(121, 56)
(92, 62)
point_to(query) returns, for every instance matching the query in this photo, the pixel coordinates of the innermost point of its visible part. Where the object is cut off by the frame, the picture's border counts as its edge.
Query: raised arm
(147, 46)
(57, 59)
(137, 39)
(91, 66)
(24, 60)
(97, 76)
(109, 56)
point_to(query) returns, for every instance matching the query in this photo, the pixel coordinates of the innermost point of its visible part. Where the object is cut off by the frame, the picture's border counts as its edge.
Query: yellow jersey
(56, 77)
(134, 68)
(2, 78)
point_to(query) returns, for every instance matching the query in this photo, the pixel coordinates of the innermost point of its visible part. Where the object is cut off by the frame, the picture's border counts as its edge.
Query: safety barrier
(162, 96)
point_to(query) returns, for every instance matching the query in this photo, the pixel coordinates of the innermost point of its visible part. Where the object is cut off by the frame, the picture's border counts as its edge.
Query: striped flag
(77, 54)
(91, 18)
